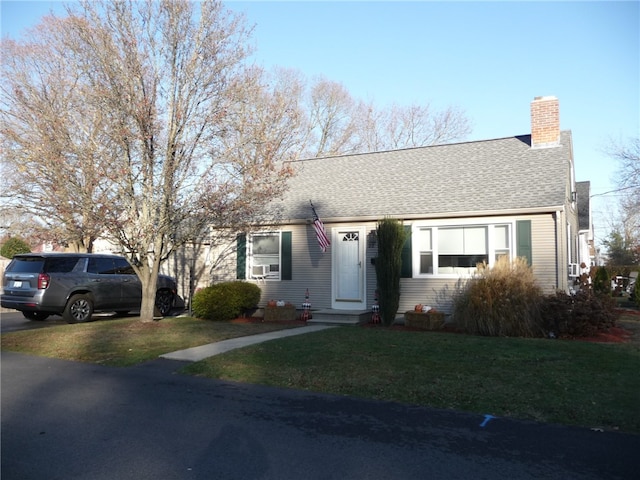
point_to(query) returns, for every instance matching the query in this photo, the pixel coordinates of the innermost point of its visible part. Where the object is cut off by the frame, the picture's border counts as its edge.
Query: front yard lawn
(562, 381)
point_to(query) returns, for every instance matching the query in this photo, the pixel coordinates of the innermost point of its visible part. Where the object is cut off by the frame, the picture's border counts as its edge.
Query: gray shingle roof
(479, 176)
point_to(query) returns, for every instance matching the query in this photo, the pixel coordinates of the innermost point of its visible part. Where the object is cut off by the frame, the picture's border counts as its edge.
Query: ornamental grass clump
(502, 300)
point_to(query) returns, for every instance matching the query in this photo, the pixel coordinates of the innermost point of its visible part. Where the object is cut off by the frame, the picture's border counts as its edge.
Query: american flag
(321, 233)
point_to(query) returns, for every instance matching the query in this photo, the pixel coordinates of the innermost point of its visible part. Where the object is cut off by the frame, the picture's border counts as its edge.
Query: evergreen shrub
(602, 281)
(14, 246)
(391, 237)
(225, 301)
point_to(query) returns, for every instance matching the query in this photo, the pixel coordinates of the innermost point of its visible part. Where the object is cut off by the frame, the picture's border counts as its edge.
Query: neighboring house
(586, 246)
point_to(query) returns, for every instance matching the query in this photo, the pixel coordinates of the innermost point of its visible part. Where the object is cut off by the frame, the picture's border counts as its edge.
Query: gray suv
(75, 285)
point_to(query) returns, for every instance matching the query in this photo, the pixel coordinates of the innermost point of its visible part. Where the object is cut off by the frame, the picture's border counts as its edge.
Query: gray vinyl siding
(543, 239)
(434, 292)
(311, 269)
(439, 292)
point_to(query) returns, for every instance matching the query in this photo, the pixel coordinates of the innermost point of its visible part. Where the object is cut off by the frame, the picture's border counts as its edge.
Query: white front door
(348, 268)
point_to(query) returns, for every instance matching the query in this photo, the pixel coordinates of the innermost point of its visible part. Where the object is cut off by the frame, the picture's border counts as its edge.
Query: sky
(489, 59)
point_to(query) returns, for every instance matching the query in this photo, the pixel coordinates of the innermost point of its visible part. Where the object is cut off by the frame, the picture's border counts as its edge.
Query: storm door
(348, 269)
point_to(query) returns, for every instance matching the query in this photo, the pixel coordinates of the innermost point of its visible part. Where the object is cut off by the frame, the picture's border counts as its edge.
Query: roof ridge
(406, 149)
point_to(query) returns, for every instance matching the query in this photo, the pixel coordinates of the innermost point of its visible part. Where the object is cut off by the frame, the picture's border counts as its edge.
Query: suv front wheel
(79, 309)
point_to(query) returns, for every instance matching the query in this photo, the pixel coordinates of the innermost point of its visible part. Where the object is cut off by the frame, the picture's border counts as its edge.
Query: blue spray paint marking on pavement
(487, 419)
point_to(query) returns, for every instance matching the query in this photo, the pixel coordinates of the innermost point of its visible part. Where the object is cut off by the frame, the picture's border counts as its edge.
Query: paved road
(68, 420)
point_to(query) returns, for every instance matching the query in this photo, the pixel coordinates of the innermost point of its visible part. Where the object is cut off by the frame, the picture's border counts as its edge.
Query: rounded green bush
(225, 301)
(14, 246)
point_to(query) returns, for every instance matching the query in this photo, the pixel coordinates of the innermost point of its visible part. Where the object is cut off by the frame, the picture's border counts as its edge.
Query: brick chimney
(545, 122)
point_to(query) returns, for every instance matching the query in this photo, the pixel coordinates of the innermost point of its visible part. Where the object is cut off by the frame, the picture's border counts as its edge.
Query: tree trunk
(149, 280)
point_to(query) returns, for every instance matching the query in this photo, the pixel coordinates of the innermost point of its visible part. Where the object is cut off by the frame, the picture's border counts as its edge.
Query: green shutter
(407, 264)
(241, 256)
(523, 240)
(286, 261)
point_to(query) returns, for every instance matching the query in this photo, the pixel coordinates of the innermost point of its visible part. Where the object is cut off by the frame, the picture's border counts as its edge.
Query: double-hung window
(458, 249)
(425, 245)
(502, 241)
(265, 255)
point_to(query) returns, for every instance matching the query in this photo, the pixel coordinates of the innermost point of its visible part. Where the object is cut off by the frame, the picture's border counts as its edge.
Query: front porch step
(339, 317)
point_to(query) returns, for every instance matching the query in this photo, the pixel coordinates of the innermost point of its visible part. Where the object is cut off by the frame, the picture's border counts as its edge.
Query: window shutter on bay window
(523, 240)
(286, 260)
(406, 270)
(241, 256)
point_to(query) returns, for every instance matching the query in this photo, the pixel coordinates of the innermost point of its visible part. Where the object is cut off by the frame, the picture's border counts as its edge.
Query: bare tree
(628, 189)
(268, 132)
(628, 175)
(169, 83)
(331, 125)
(338, 124)
(50, 140)
(418, 126)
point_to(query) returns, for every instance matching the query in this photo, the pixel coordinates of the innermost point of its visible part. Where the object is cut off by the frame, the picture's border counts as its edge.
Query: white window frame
(265, 273)
(434, 225)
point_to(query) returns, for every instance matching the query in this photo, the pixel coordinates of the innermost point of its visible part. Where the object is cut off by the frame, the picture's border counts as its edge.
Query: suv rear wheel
(79, 309)
(164, 301)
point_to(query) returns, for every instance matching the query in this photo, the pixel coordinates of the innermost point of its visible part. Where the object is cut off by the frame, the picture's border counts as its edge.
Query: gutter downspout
(558, 233)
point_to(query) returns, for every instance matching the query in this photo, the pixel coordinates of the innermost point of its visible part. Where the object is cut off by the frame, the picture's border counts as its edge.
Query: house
(462, 204)
(586, 247)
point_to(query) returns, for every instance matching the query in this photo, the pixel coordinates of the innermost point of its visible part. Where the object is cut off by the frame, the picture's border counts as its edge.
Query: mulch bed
(242, 320)
(612, 335)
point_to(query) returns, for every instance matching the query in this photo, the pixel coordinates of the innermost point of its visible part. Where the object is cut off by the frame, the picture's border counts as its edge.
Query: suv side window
(122, 267)
(101, 266)
(61, 264)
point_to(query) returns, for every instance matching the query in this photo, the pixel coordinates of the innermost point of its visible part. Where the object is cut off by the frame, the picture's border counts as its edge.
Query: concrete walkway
(195, 354)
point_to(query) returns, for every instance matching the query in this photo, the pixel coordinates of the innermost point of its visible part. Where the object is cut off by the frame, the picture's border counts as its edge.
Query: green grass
(551, 381)
(126, 342)
(559, 381)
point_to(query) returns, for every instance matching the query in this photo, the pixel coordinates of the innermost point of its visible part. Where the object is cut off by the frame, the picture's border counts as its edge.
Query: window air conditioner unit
(574, 270)
(259, 271)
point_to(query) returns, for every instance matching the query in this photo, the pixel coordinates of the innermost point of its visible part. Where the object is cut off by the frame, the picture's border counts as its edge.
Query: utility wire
(614, 191)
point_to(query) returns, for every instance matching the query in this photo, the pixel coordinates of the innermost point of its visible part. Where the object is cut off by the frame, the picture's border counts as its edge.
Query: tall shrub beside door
(391, 237)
